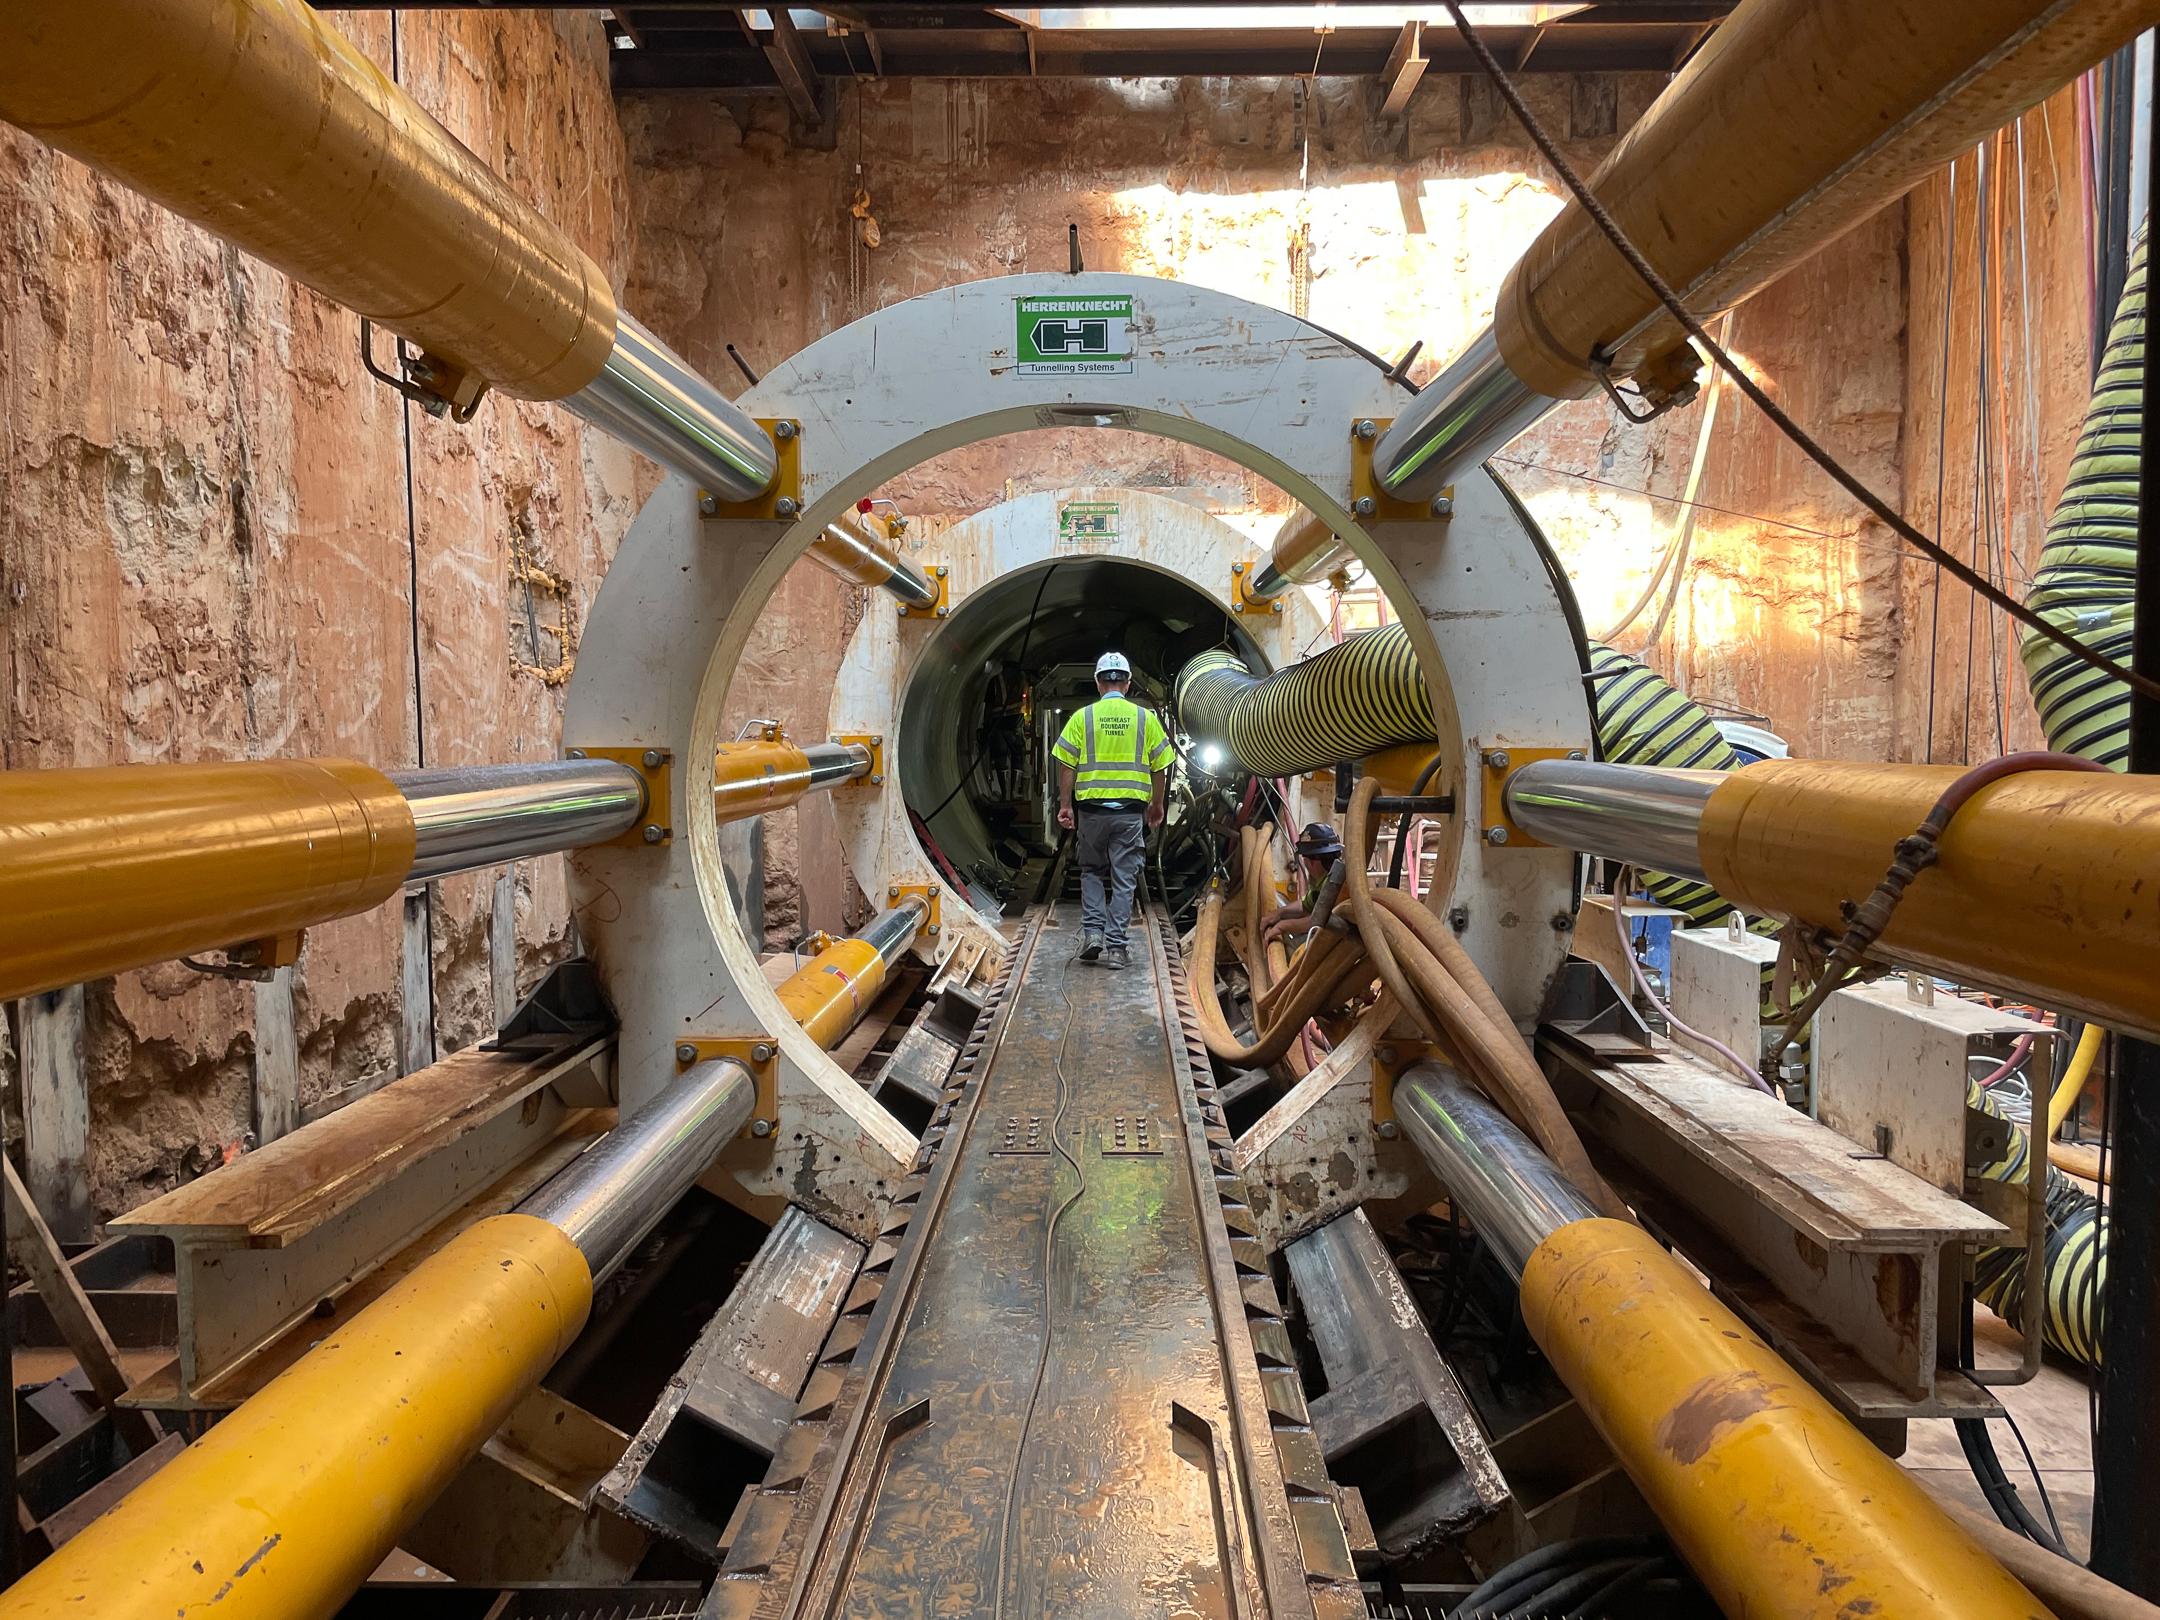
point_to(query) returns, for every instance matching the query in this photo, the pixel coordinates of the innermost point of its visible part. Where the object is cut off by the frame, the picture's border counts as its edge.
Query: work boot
(1116, 957)
(1090, 946)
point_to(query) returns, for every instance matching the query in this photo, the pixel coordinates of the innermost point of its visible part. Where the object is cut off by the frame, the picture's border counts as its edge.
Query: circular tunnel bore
(994, 687)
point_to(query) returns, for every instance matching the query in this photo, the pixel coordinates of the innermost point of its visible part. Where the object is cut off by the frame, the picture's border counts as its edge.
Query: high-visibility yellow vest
(1112, 745)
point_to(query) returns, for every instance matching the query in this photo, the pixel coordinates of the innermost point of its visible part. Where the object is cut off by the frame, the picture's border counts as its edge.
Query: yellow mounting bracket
(1242, 599)
(783, 501)
(929, 892)
(1497, 762)
(875, 742)
(1369, 503)
(1389, 1059)
(760, 1054)
(941, 577)
(657, 767)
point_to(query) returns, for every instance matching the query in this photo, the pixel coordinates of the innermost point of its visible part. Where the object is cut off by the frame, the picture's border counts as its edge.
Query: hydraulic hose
(1356, 698)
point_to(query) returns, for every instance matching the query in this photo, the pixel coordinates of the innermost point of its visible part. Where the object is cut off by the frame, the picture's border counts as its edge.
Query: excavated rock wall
(219, 539)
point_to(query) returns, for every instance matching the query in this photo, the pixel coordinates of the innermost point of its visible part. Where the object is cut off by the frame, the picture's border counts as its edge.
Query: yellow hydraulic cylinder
(258, 121)
(283, 1508)
(752, 778)
(1797, 120)
(1307, 550)
(112, 868)
(851, 550)
(1779, 1505)
(2045, 884)
(829, 993)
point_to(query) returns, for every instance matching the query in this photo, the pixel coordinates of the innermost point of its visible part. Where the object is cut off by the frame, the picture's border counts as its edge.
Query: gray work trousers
(1112, 846)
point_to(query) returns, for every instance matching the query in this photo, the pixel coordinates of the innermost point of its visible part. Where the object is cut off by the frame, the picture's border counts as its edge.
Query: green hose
(2076, 1250)
(1357, 698)
(2088, 567)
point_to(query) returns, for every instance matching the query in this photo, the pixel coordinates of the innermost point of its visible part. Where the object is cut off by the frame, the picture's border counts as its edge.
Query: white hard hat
(1111, 664)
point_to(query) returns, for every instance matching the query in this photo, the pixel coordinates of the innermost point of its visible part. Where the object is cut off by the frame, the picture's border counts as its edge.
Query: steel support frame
(678, 606)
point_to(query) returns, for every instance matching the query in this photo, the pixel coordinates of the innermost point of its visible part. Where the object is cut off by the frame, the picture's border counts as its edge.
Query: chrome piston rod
(1634, 813)
(615, 1192)
(473, 816)
(649, 397)
(893, 930)
(1515, 1197)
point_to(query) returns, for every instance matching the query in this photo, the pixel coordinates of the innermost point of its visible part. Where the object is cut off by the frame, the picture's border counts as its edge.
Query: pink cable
(2017, 1056)
(1627, 949)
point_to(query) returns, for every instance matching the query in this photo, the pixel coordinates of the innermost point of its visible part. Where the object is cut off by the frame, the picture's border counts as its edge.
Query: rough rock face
(221, 540)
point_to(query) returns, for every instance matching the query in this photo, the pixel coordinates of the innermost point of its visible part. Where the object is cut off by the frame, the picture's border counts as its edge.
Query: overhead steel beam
(1405, 67)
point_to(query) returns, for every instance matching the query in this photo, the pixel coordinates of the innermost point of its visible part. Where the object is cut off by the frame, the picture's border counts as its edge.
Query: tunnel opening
(986, 700)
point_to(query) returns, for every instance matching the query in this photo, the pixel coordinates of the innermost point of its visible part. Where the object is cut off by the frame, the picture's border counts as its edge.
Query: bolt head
(708, 506)
(934, 928)
(573, 753)
(1275, 607)
(1443, 506)
(1364, 506)
(940, 570)
(1576, 753)
(944, 613)
(761, 1127)
(892, 890)
(786, 506)
(933, 891)
(877, 778)
(653, 757)
(1386, 1054)
(762, 1052)
(1367, 428)
(1237, 568)
(878, 741)
(654, 833)
(685, 1053)
(1389, 1130)
(1495, 835)
(1497, 759)
(1237, 607)
(785, 430)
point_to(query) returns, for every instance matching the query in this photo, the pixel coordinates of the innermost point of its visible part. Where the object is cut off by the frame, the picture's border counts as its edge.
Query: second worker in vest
(1113, 767)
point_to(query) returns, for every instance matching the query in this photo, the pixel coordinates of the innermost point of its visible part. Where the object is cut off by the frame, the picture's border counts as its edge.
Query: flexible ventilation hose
(2088, 567)
(1355, 699)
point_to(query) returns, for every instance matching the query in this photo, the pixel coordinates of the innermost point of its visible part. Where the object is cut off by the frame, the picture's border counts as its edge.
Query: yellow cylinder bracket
(259, 122)
(1797, 120)
(2044, 886)
(114, 867)
(832, 990)
(1780, 1505)
(282, 1509)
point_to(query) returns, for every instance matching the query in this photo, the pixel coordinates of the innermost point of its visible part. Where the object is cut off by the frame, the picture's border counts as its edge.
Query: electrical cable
(1845, 479)
(1733, 1060)
(1027, 636)
(1402, 826)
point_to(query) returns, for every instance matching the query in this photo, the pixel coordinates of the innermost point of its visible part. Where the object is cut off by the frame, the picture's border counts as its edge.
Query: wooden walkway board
(290, 1187)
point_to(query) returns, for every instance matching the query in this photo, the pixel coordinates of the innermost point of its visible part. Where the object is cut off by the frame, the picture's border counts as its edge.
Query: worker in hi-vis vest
(1113, 766)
